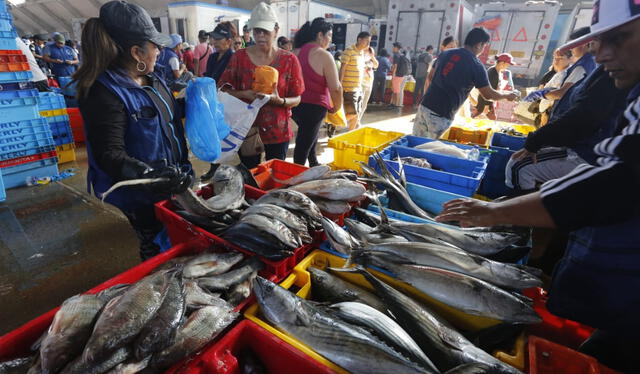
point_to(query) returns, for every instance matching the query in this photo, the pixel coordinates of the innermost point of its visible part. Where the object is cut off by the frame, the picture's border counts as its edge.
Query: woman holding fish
(271, 131)
(131, 119)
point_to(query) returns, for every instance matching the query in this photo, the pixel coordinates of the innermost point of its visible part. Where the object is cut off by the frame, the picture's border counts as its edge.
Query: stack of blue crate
(27, 148)
(59, 124)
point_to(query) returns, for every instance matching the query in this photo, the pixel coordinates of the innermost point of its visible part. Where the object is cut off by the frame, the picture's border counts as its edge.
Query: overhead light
(17, 2)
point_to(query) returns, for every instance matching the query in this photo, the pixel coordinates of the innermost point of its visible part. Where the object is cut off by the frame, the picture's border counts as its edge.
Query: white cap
(607, 15)
(263, 16)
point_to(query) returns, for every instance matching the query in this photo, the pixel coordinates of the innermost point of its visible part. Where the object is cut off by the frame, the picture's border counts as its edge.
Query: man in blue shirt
(62, 59)
(457, 71)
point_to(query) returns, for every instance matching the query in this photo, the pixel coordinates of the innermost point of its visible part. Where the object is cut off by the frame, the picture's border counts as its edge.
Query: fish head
(319, 278)
(277, 304)
(55, 356)
(224, 173)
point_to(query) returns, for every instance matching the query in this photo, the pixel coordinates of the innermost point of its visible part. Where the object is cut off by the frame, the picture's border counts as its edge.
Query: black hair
(429, 47)
(383, 53)
(448, 40)
(364, 34)
(397, 45)
(337, 55)
(475, 36)
(579, 32)
(282, 41)
(309, 31)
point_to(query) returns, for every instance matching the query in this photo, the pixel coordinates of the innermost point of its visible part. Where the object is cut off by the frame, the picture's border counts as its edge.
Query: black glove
(178, 180)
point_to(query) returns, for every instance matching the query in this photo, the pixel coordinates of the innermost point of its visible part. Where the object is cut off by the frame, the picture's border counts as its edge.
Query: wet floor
(57, 240)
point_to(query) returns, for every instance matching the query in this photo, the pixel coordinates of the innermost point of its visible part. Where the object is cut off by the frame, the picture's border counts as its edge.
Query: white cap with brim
(607, 15)
(263, 16)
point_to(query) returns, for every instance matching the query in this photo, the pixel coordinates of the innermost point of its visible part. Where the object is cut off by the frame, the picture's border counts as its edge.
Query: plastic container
(66, 152)
(25, 111)
(411, 141)
(277, 356)
(562, 331)
(50, 101)
(8, 41)
(264, 173)
(61, 131)
(180, 230)
(301, 280)
(16, 176)
(511, 142)
(54, 112)
(517, 356)
(12, 56)
(13, 66)
(77, 124)
(8, 96)
(3, 194)
(3, 6)
(358, 145)
(427, 198)
(493, 184)
(31, 141)
(465, 136)
(17, 342)
(449, 174)
(546, 357)
(28, 159)
(17, 85)
(14, 76)
(68, 89)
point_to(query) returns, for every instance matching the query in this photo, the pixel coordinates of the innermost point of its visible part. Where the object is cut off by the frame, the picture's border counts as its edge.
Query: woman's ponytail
(303, 36)
(99, 51)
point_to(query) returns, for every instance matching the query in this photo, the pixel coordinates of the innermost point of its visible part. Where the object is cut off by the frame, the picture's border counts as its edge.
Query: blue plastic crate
(17, 86)
(28, 110)
(14, 76)
(448, 174)
(23, 134)
(3, 6)
(5, 24)
(493, 185)
(40, 121)
(7, 97)
(68, 88)
(3, 194)
(37, 142)
(3, 12)
(494, 188)
(50, 101)
(61, 132)
(514, 143)
(427, 198)
(411, 141)
(8, 40)
(16, 176)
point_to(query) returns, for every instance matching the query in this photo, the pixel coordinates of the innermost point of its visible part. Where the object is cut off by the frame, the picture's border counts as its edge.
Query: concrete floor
(57, 240)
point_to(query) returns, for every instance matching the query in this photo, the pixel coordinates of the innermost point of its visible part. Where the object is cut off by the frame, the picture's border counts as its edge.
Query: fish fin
(538, 273)
(403, 177)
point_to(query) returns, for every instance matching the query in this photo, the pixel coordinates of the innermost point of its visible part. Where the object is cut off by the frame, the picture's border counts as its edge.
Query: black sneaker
(331, 130)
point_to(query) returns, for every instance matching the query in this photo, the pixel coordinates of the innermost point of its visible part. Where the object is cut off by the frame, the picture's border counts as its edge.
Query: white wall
(203, 16)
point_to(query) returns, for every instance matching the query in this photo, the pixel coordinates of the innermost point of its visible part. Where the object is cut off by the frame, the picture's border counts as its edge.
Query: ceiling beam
(32, 17)
(65, 24)
(70, 9)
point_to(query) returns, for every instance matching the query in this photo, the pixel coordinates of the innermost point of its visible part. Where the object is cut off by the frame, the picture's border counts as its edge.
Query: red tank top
(316, 90)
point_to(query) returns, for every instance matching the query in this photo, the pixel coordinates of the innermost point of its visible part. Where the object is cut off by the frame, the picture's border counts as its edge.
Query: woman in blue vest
(132, 122)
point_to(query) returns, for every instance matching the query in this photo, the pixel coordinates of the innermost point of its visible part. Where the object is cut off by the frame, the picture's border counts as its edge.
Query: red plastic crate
(264, 173)
(554, 328)
(14, 66)
(77, 124)
(276, 355)
(546, 357)
(181, 230)
(27, 159)
(12, 57)
(17, 342)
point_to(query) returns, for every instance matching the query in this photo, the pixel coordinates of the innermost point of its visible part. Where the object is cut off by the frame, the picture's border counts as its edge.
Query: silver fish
(223, 282)
(273, 227)
(80, 366)
(115, 326)
(332, 189)
(469, 294)
(201, 327)
(446, 347)
(240, 291)
(339, 239)
(228, 187)
(131, 366)
(348, 346)
(195, 297)
(332, 206)
(194, 204)
(296, 202)
(385, 327)
(327, 287)
(292, 221)
(17, 365)
(433, 255)
(364, 233)
(211, 264)
(159, 332)
(477, 368)
(310, 174)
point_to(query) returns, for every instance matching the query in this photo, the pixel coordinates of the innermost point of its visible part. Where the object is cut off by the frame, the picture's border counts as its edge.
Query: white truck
(188, 17)
(521, 29)
(579, 17)
(419, 23)
(292, 14)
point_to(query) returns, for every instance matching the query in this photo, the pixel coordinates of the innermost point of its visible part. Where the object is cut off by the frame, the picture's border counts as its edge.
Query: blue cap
(175, 40)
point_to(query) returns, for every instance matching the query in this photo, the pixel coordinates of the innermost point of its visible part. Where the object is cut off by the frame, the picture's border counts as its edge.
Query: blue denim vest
(147, 139)
(162, 65)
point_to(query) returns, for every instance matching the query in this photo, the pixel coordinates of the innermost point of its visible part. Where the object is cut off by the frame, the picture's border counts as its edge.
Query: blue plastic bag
(205, 125)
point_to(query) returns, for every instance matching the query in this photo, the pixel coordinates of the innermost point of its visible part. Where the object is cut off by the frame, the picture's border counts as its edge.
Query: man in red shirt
(187, 56)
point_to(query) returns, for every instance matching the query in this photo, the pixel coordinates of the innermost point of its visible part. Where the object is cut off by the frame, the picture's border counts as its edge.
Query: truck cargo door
(430, 31)
(523, 35)
(407, 31)
(498, 35)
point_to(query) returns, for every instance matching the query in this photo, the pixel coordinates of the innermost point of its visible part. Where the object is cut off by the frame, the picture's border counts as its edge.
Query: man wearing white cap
(597, 281)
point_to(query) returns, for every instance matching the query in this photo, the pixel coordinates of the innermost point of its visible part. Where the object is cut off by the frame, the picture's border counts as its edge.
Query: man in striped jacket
(598, 280)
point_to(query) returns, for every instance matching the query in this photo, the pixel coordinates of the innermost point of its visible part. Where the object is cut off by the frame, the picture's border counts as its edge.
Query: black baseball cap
(222, 31)
(202, 34)
(127, 22)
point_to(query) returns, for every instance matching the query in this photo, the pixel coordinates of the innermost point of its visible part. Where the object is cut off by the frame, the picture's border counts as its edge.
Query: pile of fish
(362, 332)
(332, 191)
(147, 326)
(416, 161)
(449, 150)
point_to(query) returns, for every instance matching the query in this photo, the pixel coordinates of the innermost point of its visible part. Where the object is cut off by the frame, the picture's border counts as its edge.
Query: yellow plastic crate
(54, 112)
(472, 123)
(66, 153)
(516, 357)
(301, 278)
(358, 145)
(466, 135)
